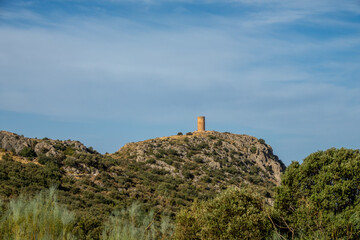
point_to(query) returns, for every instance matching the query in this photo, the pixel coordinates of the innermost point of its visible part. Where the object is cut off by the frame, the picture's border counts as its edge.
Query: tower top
(201, 124)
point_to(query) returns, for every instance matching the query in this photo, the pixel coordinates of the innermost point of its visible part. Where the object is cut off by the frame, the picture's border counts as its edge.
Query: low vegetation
(134, 223)
(183, 187)
(38, 218)
(233, 214)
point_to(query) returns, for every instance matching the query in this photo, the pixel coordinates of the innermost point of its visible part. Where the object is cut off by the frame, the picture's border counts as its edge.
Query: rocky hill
(166, 173)
(48, 147)
(241, 158)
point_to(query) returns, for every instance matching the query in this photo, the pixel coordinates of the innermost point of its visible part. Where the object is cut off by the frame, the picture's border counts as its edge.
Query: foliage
(27, 152)
(134, 223)
(262, 141)
(172, 173)
(212, 137)
(6, 157)
(253, 149)
(37, 218)
(233, 214)
(69, 151)
(16, 178)
(56, 160)
(319, 199)
(321, 196)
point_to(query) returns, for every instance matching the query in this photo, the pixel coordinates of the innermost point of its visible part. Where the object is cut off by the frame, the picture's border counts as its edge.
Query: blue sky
(113, 71)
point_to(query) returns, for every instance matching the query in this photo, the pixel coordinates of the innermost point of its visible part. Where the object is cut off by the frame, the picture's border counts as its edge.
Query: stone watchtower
(201, 124)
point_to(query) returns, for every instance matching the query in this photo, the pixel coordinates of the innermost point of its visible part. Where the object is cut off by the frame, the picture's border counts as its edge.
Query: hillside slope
(166, 173)
(241, 157)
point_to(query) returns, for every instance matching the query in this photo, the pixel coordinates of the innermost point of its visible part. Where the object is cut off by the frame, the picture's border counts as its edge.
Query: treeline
(318, 199)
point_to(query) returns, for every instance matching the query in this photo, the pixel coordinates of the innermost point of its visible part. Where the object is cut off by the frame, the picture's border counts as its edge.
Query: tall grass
(135, 224)
(39, 218)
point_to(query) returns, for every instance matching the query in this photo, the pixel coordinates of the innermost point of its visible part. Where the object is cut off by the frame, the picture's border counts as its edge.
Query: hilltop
(21, 145)
(166, 173)
(242, 158)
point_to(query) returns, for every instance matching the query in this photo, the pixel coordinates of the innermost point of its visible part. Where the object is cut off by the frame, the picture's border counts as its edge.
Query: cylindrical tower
(201, 123)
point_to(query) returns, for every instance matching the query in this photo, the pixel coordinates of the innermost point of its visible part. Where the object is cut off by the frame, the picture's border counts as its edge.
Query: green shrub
(70, 162)
(44, 159)
(206, 179)
(179, 133)
(262, 141)
(69, 151)
(189, 133)
(253, 149)
(27, 152)
(190, 153)
(321, 196)
(7, 157)
(255, 179)
(169, 161)
(254, 170)
(171, 152)
(159, 171)
(233, 214)
(199, 160)
(270, 169)
(212, 137)
(188, 175)
(59, 146)
(218, 143)
(91, 150)
(151, 161)
(201, 146)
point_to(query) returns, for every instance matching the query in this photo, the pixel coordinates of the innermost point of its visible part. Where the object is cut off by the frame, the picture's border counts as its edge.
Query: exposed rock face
(14, 142)
(240, 155)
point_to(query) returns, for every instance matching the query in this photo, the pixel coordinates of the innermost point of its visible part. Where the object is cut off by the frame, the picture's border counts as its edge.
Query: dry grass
(18, 158)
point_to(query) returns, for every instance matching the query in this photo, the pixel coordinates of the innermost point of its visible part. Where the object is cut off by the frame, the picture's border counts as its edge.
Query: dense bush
(7, 157)
(253, 149)
(16, 177)
(69, 151)
(233, 214)
(321, 197)
(27, 152)
(42, 159)
(212, 137)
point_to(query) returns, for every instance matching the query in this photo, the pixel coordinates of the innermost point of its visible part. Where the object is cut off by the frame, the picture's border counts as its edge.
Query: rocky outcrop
(13, 142)
(16, 143)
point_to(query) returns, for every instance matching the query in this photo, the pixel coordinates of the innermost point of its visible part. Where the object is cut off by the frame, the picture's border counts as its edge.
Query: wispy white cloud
(22, 14)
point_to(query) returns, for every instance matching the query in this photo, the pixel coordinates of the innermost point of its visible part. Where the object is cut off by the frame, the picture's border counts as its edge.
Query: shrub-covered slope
(225, 157)
(165, 173)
